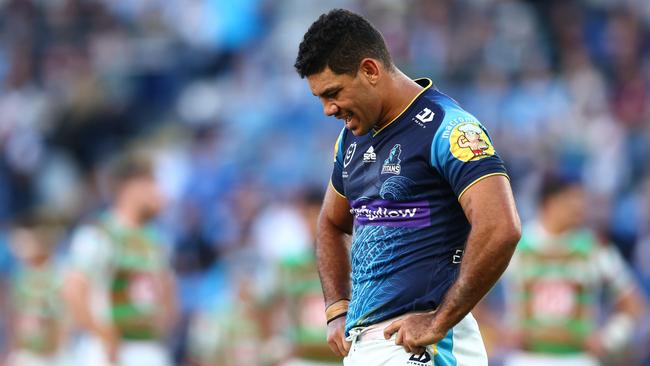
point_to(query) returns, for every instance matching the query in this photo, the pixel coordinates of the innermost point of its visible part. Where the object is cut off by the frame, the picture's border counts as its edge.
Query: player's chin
(358, 129)
(355, 131)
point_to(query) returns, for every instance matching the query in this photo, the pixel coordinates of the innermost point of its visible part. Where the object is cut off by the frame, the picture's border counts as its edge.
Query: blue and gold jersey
(403, 183)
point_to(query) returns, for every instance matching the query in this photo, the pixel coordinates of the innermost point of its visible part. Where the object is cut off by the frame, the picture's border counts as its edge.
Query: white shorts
(131, 353)
(537, 359)
(301, 362)
(462, 346)
(27, 358)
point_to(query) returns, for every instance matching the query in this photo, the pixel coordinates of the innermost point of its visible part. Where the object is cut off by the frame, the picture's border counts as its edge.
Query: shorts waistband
(372, 332)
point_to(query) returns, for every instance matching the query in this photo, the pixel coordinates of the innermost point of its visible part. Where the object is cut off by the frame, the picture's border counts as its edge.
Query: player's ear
(371, 70)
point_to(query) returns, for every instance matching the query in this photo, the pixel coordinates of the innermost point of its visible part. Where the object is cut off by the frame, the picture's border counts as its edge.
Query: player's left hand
(415, 332)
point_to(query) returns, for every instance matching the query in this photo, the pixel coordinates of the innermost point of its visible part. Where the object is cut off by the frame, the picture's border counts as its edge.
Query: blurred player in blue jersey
(419, 187)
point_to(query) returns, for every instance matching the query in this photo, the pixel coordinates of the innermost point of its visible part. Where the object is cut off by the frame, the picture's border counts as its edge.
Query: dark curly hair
(340, 39)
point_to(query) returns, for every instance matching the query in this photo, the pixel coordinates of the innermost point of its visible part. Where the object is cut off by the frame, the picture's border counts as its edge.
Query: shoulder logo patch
(349, 153)
(392, 164)
(468, 142)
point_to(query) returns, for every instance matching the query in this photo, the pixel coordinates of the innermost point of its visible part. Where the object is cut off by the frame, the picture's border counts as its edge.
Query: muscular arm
(334, 229)
(619, 329)
(496, 229)
(169, 309)
(490, 209)
(76, 293)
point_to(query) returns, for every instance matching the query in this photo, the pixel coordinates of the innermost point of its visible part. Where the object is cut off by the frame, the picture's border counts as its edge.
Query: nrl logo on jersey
(425, 116)
(349, 154)
(392, 164)
(369, 156)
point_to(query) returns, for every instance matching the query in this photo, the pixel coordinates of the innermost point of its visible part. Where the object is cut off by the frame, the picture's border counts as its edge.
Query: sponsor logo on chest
(369, 156)
(381, 212)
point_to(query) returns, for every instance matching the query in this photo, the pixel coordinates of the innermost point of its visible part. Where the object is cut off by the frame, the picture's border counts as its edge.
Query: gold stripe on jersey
(480, 179)
(337, 192)
(407, 106)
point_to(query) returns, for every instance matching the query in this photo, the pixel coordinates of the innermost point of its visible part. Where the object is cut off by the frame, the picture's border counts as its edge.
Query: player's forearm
(10, 330)
(487, 254)
(631, 303)
(76, 293)
(333, 261)
(618, 330)
(169, 309)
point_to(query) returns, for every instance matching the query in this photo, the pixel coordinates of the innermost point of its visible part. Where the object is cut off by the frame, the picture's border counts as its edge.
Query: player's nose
(330, 109)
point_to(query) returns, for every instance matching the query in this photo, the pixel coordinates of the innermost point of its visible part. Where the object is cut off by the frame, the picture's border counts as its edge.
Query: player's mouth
(348, 120)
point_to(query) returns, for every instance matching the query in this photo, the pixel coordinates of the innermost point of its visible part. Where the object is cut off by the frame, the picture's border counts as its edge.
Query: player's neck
(553, 226)
(401, 90)
(39, 261)
(127, 215)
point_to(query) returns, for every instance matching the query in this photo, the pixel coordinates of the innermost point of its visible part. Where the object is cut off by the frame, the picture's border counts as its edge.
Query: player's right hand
(595, 346)
(336, 337)
(110, 340)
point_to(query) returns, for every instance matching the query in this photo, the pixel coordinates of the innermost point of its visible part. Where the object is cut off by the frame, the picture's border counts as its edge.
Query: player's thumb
(392, 328)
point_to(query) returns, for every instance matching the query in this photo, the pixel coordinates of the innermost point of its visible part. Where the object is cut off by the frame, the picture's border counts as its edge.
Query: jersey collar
(425, 83)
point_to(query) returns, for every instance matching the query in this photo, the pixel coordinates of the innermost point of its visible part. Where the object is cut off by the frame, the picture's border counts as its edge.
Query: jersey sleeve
(613, 270)
(337, 172)
(90, 252)
(462, 152)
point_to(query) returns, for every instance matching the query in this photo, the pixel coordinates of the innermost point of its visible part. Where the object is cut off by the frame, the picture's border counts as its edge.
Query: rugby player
(423, 194)
(556, 283)
(120, 288)
(37, 322)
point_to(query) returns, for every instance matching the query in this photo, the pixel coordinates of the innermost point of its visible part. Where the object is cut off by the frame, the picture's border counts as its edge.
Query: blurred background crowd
(242, 150)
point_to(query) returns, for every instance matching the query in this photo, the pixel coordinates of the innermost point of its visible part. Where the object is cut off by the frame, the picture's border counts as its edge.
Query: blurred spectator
(37, 320)
(228, 329)
(119, 288)
(299, 297)
(555, 282)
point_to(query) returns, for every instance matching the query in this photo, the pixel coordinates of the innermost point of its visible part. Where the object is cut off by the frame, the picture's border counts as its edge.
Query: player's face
(145, 193)
(571, 207)
(348, 98)
(28, 247)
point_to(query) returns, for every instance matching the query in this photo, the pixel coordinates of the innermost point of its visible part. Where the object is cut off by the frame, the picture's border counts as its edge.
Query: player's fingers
(392, 328)
(407, 342)
(333, 341)
(399, 339)
(339, 350)
(334, 348)
(417, 350)
(345, 344)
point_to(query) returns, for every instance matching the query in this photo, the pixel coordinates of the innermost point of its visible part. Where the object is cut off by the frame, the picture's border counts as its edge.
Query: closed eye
(331, 93)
